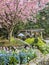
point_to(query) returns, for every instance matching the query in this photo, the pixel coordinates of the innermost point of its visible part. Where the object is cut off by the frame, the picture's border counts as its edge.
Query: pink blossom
(25, 7)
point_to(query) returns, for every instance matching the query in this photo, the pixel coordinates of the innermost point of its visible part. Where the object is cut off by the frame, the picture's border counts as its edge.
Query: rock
(46, 59)
(32, 64)
(39, 59)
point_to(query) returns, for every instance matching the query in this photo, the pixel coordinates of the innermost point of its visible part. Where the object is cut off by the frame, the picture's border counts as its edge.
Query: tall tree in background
(43, 19)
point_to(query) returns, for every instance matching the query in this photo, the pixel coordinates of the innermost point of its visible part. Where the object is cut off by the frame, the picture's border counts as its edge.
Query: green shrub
(26, 56)
(31, 54)
(39, 43)
(16, 41)
(12, 60)
(30, 40)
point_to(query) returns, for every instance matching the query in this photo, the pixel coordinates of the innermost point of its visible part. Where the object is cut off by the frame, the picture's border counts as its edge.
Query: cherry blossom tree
(9, 16)
(14, 11)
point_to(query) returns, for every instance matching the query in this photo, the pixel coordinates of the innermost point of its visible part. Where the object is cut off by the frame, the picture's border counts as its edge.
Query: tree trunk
(10, 35)
(11, 32)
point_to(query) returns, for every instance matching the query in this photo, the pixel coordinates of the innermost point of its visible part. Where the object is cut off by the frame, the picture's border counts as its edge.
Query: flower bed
(14, 58)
